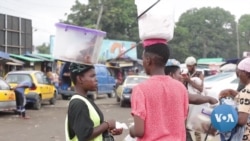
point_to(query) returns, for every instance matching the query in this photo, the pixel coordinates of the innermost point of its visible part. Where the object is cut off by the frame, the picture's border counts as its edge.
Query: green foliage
(118, 18)
(44, 49)
(205, 32)
(244, 33)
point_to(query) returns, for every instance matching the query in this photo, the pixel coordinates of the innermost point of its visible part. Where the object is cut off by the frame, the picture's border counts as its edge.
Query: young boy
(173, 70)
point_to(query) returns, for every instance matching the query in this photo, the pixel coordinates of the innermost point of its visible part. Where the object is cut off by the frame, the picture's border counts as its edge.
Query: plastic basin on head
(77, 44)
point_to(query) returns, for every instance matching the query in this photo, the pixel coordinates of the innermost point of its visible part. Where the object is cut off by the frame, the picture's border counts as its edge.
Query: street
(47, 124)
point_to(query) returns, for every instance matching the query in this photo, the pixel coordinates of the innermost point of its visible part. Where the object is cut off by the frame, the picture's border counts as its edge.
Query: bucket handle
(144, 12)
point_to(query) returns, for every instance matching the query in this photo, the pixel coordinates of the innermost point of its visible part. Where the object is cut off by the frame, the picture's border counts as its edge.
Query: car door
(49, 86)
(111, 81)
(101, 79)
(42, 87)
(7, 96)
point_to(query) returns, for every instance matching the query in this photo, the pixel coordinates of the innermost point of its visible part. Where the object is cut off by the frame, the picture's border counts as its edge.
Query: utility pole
(237, 38)
(101, 3)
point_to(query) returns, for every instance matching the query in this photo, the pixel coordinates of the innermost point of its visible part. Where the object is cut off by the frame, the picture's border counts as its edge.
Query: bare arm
(199, 99)
(99, 130)
(138, 129)
(243, 117)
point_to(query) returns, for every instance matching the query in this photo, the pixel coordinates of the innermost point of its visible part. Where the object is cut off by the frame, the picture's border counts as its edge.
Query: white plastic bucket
(158, 22)
(77, 44)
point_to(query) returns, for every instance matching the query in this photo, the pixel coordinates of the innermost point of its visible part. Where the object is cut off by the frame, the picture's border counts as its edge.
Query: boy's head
(155, 57)
(173, 69)
(174, 72)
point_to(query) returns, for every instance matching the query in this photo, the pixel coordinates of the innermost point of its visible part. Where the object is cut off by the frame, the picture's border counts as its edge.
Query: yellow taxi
(42, 90)
(7, 97)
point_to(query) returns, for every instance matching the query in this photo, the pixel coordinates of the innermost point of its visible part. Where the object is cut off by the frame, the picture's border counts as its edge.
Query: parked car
(7, 97)
(216, 83)
(124, 91)
(106, 84)
(205, 70)
(43, 90)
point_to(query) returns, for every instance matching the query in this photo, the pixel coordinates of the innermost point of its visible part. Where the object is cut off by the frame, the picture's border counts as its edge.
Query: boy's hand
(212, 101)
(116, 131)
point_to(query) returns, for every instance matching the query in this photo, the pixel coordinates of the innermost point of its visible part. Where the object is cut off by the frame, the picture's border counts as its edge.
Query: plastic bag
(129, 138)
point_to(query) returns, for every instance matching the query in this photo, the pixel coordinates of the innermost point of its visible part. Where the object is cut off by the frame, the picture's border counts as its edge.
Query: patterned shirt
(162, 103)
(244, 106)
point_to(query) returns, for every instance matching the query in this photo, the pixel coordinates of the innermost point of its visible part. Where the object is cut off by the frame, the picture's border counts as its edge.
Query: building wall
(15, 34)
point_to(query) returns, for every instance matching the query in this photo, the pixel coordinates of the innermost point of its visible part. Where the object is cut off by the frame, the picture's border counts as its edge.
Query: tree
(118, 18)
(244, 33)
(205, 32)
(45, 49)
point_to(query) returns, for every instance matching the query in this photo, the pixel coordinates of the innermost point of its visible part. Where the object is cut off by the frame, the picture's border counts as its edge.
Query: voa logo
(224, 118)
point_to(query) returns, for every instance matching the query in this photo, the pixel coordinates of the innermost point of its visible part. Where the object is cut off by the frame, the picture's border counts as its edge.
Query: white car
(124, 91)
(216, 83)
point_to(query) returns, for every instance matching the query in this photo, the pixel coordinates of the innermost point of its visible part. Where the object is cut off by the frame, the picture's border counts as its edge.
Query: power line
(35, 17)
(34, 3)
(38, 19)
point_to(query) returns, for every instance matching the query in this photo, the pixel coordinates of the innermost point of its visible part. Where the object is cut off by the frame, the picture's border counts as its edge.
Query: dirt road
(47, 124)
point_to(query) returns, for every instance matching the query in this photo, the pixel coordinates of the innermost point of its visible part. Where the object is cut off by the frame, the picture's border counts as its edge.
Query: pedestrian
(49, 74)
(193, 79)
(242, 99)
(194, 82)
(173, 69)
(21, 98)
(84, 120)
(159, 109)
(64, 77)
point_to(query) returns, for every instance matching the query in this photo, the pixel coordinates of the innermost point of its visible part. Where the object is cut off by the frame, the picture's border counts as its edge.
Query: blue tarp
(4, 55)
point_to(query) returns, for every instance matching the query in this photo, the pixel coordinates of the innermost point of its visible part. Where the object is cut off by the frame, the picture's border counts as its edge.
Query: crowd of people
(159, 106)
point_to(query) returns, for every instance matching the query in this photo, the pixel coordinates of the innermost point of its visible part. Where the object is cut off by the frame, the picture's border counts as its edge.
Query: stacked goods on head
(77, 44)
(155, 19)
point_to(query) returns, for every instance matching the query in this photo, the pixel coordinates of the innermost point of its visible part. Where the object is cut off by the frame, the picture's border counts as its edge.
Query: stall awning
(37, 57)
(25, 58)
(48, 56)
(14, 62)
(210, 60)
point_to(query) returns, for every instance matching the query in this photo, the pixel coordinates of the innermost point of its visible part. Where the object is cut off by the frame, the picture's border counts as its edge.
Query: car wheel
(110, 95)
(122, 103)
(53, 100)
(65, 97)
(38, 104)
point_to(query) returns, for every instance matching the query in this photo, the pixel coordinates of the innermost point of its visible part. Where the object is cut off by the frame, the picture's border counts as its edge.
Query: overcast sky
(45, 13)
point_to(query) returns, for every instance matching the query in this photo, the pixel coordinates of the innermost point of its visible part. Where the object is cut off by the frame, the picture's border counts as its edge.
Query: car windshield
(18, 78)
(4, 85)
(135, 80)
(218, 77)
